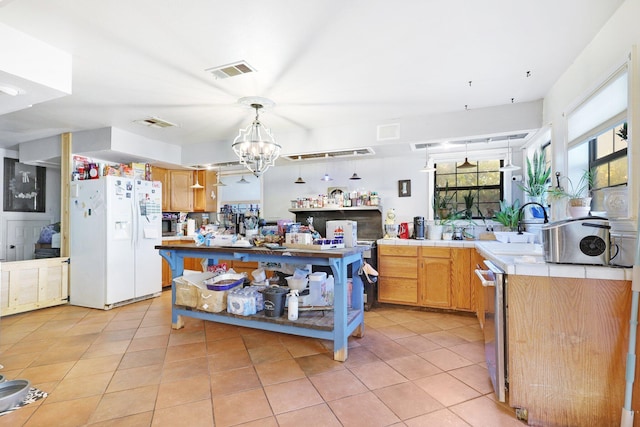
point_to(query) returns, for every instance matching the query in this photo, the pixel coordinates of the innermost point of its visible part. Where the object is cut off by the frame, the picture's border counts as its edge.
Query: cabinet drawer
(435, 252)
(398, 290)
(398, 267)
(409, 251)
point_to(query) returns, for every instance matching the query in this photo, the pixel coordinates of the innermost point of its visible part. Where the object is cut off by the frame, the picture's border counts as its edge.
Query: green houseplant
(578, 195)
(537, 176)
(443, 203)
(508, 214)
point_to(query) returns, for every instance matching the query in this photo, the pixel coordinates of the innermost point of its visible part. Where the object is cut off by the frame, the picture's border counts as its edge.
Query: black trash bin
(274, 297)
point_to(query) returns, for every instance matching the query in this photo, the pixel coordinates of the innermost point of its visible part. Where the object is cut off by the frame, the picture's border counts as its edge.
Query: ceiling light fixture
(299, 180)
(509, 166)
(197, 185)
(243, 181)
(255, 146)
(355, 175)
(219, 183)
(326, 176)
(466, 164)
(426, 167)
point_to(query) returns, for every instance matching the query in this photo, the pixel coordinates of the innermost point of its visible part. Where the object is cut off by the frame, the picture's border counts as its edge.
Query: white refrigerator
(115, 224)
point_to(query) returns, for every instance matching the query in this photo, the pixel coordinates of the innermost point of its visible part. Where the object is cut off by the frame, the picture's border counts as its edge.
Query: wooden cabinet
(435, 277)
(210, 192)
(189, 263)
(181, 198)
(427, 276)
(477, 295)
(398, 274)
(162, 175)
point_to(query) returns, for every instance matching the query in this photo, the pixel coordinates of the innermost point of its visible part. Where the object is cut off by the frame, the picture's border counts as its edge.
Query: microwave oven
(169, 227)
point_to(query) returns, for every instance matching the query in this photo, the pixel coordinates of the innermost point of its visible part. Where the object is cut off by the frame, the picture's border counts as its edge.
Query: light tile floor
(127, 367)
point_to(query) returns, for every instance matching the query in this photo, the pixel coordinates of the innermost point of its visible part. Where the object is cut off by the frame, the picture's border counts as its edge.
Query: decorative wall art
(24, 187)
(404, 188)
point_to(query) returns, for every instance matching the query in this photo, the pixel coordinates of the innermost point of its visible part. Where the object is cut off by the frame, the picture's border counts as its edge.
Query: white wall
(608, 51)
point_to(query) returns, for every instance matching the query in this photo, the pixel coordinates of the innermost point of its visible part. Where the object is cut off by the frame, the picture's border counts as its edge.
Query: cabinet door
(461, 285)
(398, 274)
(199, 202)
(162, 175)
(477, 294)
(181, 193)
(435, 283)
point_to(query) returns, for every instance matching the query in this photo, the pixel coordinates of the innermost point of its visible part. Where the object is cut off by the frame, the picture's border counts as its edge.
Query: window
(608, 158)
(484, 181)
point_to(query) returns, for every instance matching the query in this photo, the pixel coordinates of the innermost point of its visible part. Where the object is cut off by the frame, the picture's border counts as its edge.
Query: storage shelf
(338, 208)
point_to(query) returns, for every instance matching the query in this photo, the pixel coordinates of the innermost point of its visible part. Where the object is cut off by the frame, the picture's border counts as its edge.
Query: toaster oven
(577, 241)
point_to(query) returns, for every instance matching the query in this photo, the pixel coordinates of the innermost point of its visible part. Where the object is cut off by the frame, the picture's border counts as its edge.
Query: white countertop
(527, 263)
(165, 238)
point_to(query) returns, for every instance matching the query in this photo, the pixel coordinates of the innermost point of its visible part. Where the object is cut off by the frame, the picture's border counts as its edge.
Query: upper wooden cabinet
(177, 194)
(162, 175)
(181, 197)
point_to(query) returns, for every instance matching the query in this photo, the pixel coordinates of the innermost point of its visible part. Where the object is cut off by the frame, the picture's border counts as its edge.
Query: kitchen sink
(514, 249)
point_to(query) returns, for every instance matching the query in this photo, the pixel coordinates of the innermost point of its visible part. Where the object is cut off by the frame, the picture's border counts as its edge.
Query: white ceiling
(324, 63)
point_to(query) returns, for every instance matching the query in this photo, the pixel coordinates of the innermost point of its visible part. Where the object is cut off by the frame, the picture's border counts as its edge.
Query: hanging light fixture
(355, 175)
(197, 185)
(326, 176)
(255, 146)
(299, 180)
(466, 164)
(219, 183)
(426, 167)
(243, 181)
(509, 166)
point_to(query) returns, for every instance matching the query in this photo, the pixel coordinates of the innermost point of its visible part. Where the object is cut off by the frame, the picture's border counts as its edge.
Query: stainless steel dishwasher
(494, 282)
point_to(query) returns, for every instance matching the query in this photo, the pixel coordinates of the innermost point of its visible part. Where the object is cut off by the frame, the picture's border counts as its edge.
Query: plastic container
(274, 297)
(224, 282)
(292, 311)
(297, 284)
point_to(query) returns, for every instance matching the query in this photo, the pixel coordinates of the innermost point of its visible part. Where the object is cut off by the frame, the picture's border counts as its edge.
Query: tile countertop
(188, 238)
(523, 264)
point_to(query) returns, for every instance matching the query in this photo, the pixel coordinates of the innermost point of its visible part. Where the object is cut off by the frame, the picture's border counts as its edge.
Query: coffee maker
(418, 227)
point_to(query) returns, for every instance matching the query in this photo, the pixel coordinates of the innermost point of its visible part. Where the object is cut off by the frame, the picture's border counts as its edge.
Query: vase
(447, 235)
(579, 207)
(434, 232)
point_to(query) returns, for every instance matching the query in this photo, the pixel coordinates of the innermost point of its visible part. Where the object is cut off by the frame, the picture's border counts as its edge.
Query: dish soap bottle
(292, 312)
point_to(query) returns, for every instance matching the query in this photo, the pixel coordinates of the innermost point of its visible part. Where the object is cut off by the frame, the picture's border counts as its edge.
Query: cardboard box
(345, 229)
(299, 238)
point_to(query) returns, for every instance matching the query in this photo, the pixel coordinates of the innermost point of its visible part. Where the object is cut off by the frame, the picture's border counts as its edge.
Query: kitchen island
(337, 328)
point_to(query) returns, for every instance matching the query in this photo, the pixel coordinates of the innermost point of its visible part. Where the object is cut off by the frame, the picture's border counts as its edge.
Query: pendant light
(426, 167)
(326, 176)
(219, 183)
(299, 180)
(255, 146)
(197, 185)
(466, 164)
(243, 181)
(509, 166)
(355, 175)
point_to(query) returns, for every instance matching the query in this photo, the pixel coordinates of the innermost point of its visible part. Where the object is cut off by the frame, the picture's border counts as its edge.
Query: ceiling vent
(352, 152)
(154, 122)
(388, 132)
(231, 70)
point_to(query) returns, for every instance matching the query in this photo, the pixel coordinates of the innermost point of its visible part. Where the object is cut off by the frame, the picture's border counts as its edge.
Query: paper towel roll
(191, 227)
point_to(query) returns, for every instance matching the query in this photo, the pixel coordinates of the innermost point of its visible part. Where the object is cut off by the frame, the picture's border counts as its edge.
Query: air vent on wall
(155, 122)
(497, 138)
(352, 152)
(388, 132)
(231, 70)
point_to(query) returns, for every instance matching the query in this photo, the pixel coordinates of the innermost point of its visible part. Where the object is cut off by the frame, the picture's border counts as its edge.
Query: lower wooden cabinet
(426, 276)
(398, 274)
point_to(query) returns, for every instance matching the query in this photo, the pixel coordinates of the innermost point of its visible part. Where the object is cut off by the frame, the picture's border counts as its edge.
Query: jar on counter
(375, 200)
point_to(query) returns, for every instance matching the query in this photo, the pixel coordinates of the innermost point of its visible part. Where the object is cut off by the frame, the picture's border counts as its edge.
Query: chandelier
(255, 146)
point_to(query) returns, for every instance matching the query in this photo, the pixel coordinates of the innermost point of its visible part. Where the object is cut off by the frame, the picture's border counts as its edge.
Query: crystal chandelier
(255, 146)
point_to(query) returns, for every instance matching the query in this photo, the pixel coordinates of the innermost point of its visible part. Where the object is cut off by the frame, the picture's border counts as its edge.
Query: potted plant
(442, 202)
(468, 205)
(537, 181)
(508, 214)
(578, 195)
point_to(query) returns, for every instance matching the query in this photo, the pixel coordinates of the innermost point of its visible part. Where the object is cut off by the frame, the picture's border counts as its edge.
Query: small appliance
(577, 241)
(418, 227)
(403, 230)
(169, 225)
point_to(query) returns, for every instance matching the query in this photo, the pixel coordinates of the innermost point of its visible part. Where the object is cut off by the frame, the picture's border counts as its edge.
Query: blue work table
(344, 322)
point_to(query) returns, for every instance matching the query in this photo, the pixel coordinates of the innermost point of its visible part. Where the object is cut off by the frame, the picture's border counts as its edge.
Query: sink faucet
(544, 211)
